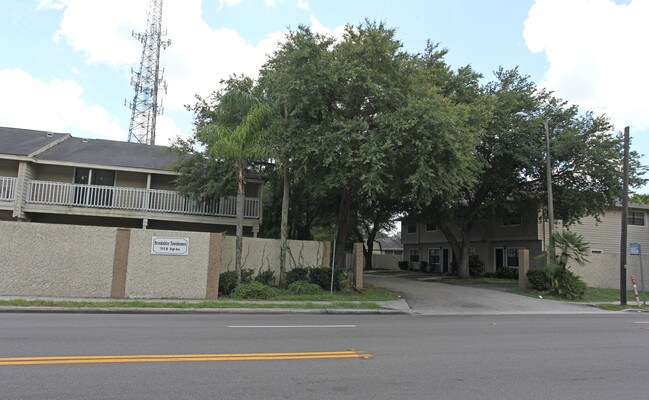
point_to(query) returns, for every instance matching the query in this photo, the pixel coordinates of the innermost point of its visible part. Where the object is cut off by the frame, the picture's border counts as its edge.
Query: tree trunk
(284, 224)
(239, 240)
(371, 235)
(343, 228)
(460, 248)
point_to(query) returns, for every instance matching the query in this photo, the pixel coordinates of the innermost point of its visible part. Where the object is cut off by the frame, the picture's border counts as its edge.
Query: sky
(65, 65)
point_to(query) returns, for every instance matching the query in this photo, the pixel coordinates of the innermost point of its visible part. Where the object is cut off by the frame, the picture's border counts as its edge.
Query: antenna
(146, 81)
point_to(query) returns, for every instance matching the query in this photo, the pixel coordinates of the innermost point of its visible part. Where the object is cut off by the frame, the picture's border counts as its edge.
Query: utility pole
(146, 82)
(625, 211)
(548, 168)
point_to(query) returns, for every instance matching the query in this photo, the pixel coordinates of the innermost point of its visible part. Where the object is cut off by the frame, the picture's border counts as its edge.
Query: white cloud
(317, 27)
(303, 4)
(273, 3)
(102, 29)
(51, 4)
(228, 3)
(53, 106)
(597, 54)
(198, 58)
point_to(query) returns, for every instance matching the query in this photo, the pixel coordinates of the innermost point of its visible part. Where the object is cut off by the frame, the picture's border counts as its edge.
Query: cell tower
(146, 82)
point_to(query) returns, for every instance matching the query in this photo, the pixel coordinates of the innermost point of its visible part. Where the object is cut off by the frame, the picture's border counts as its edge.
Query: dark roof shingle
(23, 142)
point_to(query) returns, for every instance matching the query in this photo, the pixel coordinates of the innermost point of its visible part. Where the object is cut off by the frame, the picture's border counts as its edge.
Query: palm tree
(239, 145)
(570, 246)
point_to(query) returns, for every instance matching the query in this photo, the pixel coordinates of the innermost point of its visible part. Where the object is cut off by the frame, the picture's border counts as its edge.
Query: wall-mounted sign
(635, 249)
(170, 246)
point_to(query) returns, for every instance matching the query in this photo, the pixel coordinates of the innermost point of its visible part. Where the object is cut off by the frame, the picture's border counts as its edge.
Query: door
(500, 257)
(81, 177)
(102, 196)
(446, 259)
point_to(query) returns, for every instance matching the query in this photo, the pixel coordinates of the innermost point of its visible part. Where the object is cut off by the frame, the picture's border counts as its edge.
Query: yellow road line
(180, 358)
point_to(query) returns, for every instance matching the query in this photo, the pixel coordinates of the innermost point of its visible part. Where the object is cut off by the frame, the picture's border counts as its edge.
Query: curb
(146, 310)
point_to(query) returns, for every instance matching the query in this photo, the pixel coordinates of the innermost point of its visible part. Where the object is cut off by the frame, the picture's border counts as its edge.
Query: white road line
(292, 326)
(641, 322)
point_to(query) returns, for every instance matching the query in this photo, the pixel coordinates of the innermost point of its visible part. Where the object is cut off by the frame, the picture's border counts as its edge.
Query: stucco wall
(262, 254)
(603, 270)
(385, 261)
(52, 260)
(167, 276)
(55, 260)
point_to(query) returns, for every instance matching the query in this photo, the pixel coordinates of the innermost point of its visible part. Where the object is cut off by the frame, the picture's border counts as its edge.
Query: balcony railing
(7, 188)
(126, 198)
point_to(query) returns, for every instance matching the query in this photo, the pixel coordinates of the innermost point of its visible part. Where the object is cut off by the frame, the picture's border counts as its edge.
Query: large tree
(366, 122)
(231, 131)
(585, 157)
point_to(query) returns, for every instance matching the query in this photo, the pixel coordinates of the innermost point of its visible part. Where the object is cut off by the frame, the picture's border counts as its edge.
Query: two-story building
(496, 241)
(57, 178)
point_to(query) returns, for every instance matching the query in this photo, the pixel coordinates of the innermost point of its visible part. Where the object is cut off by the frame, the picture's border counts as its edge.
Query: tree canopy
(365, 131)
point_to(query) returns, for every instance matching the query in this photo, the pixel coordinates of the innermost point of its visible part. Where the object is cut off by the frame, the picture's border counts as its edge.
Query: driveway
(427, 295)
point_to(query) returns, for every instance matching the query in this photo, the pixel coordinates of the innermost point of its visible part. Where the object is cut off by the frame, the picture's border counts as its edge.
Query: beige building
(496, 242)
(57, 178)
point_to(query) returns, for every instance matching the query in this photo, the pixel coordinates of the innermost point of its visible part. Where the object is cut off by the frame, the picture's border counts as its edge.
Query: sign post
(636, 250)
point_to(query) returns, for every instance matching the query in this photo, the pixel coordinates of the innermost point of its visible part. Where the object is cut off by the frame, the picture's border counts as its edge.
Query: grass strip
(217, 304)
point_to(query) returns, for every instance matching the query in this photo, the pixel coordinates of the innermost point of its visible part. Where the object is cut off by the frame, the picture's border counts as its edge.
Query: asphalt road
(603, 356)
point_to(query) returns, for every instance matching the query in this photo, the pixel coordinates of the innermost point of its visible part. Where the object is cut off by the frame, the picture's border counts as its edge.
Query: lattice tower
(146, 82)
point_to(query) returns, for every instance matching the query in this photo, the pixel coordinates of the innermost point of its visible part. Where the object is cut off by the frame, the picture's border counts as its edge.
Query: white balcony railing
(125, 198)
(7, 188)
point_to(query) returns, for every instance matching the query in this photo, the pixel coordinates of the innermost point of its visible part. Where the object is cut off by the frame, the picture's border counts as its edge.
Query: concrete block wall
(603, 270)
(52, 260)
(55, 260)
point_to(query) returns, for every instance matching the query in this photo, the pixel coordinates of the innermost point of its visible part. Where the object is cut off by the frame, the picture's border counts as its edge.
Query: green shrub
(321, 276)
(253, 290)
(540, 279)
(476, 266)
(566, 284)
(246, 275)
(228, 280)
(403, 265)
(297, 274)
(507, 273)
(266, 277)
(304, 287)
(423, 266)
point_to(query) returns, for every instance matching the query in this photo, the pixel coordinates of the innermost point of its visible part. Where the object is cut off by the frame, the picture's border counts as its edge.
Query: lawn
(351, 299)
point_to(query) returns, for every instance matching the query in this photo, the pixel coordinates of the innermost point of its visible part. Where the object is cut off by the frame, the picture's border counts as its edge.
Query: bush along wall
(300, 279)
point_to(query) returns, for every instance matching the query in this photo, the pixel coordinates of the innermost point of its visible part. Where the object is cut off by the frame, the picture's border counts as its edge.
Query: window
(414, 255)
(412, 227)
(512, 257)
(430, 226)
(506, 257)
(93, 195)
(635, 218)
(434, 256)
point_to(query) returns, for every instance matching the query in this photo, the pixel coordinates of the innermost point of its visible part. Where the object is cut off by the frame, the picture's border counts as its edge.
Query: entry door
(446, 259)
(81, 177)
(500, 257)
(102, 197)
